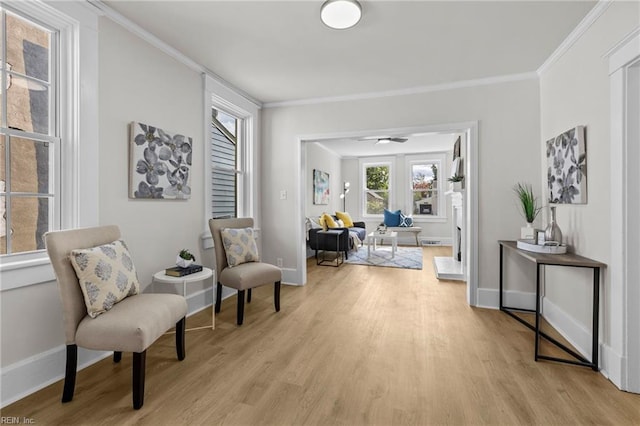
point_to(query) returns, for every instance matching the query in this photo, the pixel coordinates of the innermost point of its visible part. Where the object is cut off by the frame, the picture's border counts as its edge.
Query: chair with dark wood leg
(130, 325)
(242, 277)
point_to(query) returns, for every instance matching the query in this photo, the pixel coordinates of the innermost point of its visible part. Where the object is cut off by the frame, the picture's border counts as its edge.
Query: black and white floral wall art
(160, 163)
(567, 167)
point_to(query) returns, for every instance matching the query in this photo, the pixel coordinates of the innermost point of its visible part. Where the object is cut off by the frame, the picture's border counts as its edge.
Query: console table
(541, 260)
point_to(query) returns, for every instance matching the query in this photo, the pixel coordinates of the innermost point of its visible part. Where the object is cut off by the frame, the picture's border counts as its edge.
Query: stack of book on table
(178, 271)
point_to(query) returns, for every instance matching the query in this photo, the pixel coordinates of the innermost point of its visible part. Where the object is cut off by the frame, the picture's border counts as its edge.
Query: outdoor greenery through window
(225, 164)
(376, 191)
(424, 187)
(28, 133)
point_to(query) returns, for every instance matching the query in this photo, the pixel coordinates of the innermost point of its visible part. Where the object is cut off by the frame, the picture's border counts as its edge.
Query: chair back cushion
(59, 245)
(215, 225)
(106, 275)
(239, 246)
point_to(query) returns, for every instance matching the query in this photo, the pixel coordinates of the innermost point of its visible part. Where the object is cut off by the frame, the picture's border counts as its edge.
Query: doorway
(470, 168)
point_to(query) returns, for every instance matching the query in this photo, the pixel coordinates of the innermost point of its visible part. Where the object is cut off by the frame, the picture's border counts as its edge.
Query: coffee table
(373, 237)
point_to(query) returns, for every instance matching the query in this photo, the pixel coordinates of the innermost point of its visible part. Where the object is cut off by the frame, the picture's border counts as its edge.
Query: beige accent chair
(132, 325)
(245, 276)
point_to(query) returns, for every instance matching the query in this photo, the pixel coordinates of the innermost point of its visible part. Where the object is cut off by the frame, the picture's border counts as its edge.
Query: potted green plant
(185, 258)
(529, 208)
(456, 182)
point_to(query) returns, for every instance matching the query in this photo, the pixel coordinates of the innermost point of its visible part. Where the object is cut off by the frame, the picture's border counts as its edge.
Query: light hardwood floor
(357, 345)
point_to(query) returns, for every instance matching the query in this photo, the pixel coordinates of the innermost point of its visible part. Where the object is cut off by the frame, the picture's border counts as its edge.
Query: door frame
(622, 355)
(470, 215)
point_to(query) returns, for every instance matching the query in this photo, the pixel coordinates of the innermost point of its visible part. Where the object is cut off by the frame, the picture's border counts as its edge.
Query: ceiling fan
(384, 139)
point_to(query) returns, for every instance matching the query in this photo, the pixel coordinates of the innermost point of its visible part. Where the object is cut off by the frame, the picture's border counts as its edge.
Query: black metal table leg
(537, 328)
(596, 315)
(501, 262)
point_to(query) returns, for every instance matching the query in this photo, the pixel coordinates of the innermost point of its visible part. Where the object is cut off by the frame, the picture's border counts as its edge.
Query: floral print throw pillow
(239, 246)
(106, 275)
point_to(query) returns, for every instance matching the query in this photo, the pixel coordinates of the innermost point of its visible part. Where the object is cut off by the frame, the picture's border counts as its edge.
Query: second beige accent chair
(242, 277)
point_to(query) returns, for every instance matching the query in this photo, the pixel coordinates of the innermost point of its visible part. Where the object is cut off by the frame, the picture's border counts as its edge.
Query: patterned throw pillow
(239, 246)
(406, 221)
(106, 275)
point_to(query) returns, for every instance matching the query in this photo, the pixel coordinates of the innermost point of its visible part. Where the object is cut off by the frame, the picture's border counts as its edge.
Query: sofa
(343, 243)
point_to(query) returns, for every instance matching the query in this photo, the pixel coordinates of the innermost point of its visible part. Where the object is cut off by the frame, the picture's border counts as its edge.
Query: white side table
(206, 273)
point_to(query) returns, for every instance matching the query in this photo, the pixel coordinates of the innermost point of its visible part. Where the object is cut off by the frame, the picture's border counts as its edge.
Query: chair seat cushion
(249, 275)
(133, 324)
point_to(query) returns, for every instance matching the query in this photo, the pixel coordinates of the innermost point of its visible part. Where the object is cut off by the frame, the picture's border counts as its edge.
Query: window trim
(372, 162)
(238, 171)
(443, 174)
(220, 97)
(78, 119)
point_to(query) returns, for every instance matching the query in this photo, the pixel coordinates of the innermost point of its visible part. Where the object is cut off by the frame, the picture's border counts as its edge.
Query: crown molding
(409, 91)
(576, 34)
(118, 18)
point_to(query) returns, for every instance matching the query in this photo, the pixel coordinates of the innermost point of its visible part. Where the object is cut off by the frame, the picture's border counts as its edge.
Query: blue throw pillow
(406, 221)
(391, 218)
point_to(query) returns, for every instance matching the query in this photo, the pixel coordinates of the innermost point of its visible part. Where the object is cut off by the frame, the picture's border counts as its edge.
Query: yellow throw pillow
(322, 224)
(328, 221)
(346, 218)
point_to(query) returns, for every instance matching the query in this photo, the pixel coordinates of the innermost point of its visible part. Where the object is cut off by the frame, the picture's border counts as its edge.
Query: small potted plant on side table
(185, 258)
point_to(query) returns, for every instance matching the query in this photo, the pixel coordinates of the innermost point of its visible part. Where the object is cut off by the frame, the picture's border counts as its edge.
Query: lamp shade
(340, 14)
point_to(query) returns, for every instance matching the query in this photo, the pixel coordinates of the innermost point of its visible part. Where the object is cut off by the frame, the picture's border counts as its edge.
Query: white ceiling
(416, 143)
(280, 51)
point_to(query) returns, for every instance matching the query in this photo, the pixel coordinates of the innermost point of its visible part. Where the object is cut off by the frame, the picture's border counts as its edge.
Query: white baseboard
(290, 276)
(29, 375)
(612, 366)
(576, 334)
(434, 241)
(490, 298)
(39, 371)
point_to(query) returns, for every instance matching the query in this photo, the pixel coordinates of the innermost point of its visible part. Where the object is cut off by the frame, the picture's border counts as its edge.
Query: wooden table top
(566, 259)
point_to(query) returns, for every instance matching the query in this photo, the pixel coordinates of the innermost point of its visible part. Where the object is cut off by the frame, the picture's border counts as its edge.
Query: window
(377, 184)
(426, 174)
(29, 134)
(225, 167)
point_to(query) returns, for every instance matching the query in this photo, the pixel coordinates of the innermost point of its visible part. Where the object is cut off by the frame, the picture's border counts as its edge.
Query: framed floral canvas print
(567, 167)
(160, 163)
(320, 187)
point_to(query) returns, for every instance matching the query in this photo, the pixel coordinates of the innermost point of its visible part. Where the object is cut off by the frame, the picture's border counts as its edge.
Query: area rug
(406, 257)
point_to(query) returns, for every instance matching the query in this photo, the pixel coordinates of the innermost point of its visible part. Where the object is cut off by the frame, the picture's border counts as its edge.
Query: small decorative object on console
(553, 232)
(548, 248)
(530, 209)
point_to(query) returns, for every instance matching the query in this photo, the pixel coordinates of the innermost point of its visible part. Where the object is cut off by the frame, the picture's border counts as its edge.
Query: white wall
(575, 91)
(137, 82)
(509, 152)
(320, 158)
(140, 83)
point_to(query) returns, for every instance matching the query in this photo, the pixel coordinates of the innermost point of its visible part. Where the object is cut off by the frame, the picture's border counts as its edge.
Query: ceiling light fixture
(340, 14)
(383, 141)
